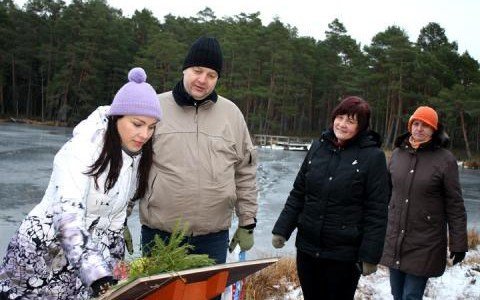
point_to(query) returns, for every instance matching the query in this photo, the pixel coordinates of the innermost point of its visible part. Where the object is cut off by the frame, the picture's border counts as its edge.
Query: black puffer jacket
(339, 200)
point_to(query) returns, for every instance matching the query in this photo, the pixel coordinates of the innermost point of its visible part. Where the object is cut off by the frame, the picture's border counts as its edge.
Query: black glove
(101, 286)
(457, 257)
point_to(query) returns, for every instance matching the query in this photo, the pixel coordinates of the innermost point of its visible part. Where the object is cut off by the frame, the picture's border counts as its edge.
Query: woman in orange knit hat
(426, 198)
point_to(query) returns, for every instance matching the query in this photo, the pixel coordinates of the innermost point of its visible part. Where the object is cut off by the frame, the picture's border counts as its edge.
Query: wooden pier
(282, 142)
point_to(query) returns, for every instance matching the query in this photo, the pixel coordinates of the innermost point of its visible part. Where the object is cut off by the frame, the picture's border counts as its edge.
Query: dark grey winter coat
(426, 197)
(339, 200)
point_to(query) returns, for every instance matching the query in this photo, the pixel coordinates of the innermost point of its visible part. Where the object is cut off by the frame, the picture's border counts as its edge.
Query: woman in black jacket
(339, 205)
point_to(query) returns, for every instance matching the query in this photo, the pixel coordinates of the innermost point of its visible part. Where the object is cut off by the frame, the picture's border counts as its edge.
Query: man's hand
(101, 286)
(243, 237)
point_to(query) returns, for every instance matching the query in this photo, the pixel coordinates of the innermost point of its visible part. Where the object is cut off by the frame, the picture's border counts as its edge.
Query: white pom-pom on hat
(137, 75)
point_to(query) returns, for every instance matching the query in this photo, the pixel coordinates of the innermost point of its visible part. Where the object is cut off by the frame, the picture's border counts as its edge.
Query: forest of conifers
(58, 62)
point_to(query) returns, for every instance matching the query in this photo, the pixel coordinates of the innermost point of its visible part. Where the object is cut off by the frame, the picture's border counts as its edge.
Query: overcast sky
(362, 19)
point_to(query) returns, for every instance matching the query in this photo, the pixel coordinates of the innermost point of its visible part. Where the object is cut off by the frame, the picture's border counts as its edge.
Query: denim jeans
(407, 286)
(214, 244)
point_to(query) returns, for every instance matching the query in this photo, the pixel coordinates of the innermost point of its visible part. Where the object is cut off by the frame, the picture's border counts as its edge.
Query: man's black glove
(457, 257)
(101, 286)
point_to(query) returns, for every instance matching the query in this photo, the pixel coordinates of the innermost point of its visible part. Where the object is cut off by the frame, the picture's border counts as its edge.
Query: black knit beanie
(205, 52)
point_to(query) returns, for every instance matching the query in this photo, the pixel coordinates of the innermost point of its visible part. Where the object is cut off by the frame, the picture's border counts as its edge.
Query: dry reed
(473, 238)
(279, 279)
(272, 282)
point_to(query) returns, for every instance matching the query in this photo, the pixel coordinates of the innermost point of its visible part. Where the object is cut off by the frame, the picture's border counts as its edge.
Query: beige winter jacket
(204, 168)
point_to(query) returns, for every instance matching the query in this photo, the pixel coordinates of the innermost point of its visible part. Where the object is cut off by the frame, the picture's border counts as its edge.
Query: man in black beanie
(204, 163)
(205, 52)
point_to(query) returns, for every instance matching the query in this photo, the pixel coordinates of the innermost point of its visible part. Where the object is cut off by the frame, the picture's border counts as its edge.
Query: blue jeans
(406, 286)
(214, 244)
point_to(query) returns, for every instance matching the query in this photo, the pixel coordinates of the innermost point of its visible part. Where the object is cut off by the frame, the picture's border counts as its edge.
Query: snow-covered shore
(457, 283)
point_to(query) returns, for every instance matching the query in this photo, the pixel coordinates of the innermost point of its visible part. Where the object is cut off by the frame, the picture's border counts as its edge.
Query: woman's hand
(102, 285)
(278, 241)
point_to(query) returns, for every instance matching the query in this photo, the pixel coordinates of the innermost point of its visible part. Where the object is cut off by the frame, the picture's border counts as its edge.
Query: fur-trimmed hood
(440, 138)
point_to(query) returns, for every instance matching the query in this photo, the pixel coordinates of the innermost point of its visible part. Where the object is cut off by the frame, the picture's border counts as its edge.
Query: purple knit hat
(136, 98)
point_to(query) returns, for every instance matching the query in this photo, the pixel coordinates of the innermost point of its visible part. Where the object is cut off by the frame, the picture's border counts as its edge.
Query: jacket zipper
(126, 194)
(198, 150)
(127, 191)
(404, 211)
(196, 114)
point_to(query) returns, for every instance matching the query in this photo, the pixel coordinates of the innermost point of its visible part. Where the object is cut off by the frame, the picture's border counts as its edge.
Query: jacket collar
(184, 99)
(365, 138)
(440, 139)
(131, 153)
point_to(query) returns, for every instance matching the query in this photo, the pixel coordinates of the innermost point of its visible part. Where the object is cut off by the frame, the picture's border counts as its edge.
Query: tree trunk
(230, 78)
(14, 92)
(270, 99)
(398, 119)
(63, 111)
(28, 105)
(464, 131)
(399, 108)
(255, 114)
(386, 126)
(2, 102)
(310, 106)
(249, 97)
(390, 123)
(282, 109)
(42, 98)
(477, 139)
(328, 110)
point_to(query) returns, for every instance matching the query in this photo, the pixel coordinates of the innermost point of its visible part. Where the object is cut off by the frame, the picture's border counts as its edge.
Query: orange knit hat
(425, 114)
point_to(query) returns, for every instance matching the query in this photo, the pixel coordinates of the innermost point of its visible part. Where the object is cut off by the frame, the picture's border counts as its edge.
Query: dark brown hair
(111, 157)
(354, 106)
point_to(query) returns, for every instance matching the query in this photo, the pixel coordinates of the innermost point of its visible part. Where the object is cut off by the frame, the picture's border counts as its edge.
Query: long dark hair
(111, 156)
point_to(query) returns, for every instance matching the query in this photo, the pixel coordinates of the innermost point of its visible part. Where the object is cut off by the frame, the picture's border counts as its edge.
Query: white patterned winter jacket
(88, 223)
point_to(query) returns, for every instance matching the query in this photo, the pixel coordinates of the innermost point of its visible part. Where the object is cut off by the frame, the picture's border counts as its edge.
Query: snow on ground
(457, 283)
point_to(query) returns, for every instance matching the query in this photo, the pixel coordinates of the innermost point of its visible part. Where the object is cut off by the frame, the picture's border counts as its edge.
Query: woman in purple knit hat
(69, 244)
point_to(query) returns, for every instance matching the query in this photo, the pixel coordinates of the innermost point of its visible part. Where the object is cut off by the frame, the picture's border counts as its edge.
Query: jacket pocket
(350, 233)
(222, 157)
(151, 189)
(424, 230)
(306, 225)
(357, 186)
(341, 235)
(393, 216)
(429, 218)
(253, 156)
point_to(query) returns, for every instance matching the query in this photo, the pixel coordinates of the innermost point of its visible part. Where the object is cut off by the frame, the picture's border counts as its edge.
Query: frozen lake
(26, 156)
